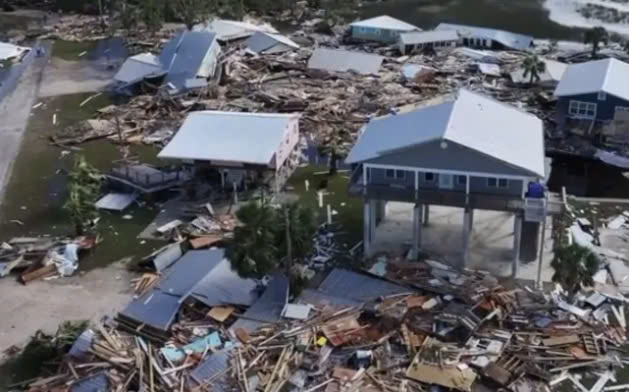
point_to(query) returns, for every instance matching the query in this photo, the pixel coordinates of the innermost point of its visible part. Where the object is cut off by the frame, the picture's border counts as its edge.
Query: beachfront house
(242, 147)
(418, 41)
(471, 152)
(484, 38)
(186, 62)
(383, 29)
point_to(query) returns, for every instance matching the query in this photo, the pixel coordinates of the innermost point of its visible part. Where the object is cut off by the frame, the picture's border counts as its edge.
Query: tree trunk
(289, 245)
(103, 25)
(333, 164)
(594, 49)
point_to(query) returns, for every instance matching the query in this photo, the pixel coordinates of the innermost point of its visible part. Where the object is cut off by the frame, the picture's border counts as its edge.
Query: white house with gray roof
(382, 28)
(236, 144)
(417, 41)
(472, 152)
(482, 37)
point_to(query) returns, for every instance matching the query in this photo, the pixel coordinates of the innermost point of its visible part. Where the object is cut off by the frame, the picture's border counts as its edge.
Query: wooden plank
(561, 340)
(39, 273)
(220, 313)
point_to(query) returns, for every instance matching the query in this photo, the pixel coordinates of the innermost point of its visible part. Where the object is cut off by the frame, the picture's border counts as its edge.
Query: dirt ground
(70, 77)
(45, 304)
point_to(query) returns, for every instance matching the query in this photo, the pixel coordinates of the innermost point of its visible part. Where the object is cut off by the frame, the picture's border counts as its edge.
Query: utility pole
(289, 245)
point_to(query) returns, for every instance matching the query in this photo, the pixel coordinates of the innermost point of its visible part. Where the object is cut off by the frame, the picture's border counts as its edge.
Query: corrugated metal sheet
(357, 286)
(422, 37)
(96, 383)
(321, 299)
(269, 43)
(609, 75)
(212, 366)
(184, 55)
(506, 38)
(136, 68)
(343, 61)
(385, 22)
(268, 308)
(223, 286)
(252, 138)
(472, 120)
(190, 270)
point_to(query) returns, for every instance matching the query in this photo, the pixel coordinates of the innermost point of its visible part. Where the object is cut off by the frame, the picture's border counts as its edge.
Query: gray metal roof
(250, 138)
(343, 61)
(268, 308)
(81, 346)
(188, 271)
(385, 22)
(610, 76)
(184, 55)
(356, 286)
(223, 286)
(95, 383)
(228, 30)
(213, 365)
(138, 67)
(472, 120)
(319, 298)
(155, 309)
(422, 37)
(507, 38)
(269, 43)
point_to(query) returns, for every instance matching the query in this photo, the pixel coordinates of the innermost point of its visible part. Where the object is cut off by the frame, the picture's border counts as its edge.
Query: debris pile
(39, 258)
(424, 324)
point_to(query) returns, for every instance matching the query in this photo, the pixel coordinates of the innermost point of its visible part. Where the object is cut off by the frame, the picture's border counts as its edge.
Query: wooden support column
(426, 214)
(366, 230)
(417, 230)
(467, 233)
(517, 238)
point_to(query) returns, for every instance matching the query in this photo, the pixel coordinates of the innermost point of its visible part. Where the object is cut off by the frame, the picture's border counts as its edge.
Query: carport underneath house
(461, 155)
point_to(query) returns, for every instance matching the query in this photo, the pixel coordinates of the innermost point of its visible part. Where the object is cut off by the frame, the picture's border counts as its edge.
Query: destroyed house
(187, 61)
(595, 90)
(383, 29)
(551, 76)
(472, 153)
(418, 41)
(237, 144)
(481, 37)
(232, 30)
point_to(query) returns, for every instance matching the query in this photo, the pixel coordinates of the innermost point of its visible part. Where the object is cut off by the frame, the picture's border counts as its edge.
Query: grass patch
(37, 188)
(70, 51)
(350, 209)
(10, 21)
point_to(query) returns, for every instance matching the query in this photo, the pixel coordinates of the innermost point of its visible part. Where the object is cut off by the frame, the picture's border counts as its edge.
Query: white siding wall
(291, 138)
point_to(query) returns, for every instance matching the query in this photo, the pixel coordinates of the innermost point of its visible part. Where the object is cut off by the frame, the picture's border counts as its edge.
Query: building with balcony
(471, 152)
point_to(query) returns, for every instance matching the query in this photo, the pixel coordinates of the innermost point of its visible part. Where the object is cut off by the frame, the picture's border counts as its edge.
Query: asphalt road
(17, 96)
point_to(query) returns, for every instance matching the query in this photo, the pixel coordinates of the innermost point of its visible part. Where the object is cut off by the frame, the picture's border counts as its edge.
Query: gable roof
(228, 30)
(472, 120)
(251, 138)
(610, 76)
(183, 56)
(343, 61)
(261, 42)
(421, 37)
(138, 67)
(507, 38)
(385, 22)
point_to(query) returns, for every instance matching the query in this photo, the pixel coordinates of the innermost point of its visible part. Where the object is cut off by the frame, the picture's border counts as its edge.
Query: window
(461, 180)
(602, 95)
(580, 109)
(429, 177)
(622, 109)
(497, 182)
(397, 174)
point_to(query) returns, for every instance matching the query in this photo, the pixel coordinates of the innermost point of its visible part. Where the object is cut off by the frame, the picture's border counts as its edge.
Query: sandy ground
(70, 77)
(15, 109)
(491, 246)
(45, 304)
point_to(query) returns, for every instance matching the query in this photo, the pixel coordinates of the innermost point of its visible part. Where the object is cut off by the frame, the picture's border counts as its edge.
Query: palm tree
(595, 36)
(335, 148)
(296, 226)
(533, 67)
(574, 265)
(252, 250)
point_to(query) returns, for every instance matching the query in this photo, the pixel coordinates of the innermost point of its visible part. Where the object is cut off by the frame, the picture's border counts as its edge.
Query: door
(446, 181)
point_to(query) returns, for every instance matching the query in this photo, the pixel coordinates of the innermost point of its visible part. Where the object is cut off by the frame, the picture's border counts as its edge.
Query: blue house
(595, 90)
(471, 153)
(383, 29)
